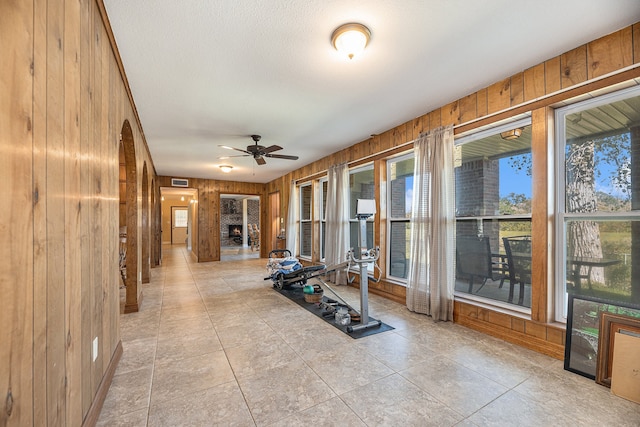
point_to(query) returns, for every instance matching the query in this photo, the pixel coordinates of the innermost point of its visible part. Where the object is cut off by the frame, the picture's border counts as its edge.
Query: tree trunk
(583, 237)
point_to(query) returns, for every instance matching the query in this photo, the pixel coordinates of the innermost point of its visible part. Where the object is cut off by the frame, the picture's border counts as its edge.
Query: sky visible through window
(513, 180)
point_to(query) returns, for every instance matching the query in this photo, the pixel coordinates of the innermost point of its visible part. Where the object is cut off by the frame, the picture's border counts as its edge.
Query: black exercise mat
(296, 295)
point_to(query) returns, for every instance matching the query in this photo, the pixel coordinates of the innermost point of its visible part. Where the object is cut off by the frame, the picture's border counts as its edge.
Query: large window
(361, 186)
(493, 215)
(400, 196)
(306, 225)
(598, 234)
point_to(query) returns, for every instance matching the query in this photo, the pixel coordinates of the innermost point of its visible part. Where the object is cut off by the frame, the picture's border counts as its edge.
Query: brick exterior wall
(477, 194)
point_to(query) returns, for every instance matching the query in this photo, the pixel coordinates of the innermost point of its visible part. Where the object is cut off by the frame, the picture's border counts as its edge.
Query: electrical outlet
(95, 349)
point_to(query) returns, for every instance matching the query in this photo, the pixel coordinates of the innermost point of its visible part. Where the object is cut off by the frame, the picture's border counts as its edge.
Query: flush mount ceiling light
(350, 39)
(511, 134)
(225, 168)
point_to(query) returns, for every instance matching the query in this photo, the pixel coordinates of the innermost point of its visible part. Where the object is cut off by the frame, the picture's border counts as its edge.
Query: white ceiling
(206, 73)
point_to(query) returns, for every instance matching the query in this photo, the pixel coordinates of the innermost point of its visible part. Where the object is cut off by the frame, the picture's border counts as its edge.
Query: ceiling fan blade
(282, 156)
(260, 160)
(271, 149)
(233, 148)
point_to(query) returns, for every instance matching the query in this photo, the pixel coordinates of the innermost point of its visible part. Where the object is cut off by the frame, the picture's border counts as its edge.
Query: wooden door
(179, 223)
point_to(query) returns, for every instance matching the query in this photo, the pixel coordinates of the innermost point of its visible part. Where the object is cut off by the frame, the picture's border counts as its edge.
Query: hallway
(214, 344)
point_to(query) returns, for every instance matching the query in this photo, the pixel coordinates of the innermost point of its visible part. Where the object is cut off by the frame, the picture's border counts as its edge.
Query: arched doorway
(129, 217)
(146, 257)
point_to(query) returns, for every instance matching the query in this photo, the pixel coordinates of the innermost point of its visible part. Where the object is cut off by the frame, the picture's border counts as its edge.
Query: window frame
(561, 216)
(496, 128)
(322, 189)
(390, 220)
(302, 220)
(353, 171)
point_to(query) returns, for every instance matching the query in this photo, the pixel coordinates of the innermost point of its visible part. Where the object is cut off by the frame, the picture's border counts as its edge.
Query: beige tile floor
(214, 344)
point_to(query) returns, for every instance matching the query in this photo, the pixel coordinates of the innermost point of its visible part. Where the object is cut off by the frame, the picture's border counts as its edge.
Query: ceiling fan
(258, 152)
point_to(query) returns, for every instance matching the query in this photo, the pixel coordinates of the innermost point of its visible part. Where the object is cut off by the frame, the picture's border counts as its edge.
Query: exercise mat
(296, 295)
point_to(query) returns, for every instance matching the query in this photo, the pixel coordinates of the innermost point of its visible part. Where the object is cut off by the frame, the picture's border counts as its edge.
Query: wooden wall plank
(86, 108)
(450, 114)
(468, 108)
(499, 96)
(56, 337)
(399, 137)
(610, 53)
(96, 206)
(418, 126)
(534, 82)
(482, 103)
(541, 225)
(573, 65)
(435, 119)
(72, 243)
(40, 50)
(552, 75)
(636, 43)
(16, 162)
(517, 89)
(105, 184)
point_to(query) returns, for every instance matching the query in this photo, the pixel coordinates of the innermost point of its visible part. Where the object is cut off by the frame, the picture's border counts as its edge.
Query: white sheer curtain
(292, 219)
(431, 276)
(337, 215)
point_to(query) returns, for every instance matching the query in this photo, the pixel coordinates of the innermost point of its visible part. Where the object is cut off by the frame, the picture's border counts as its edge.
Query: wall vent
(176, 182)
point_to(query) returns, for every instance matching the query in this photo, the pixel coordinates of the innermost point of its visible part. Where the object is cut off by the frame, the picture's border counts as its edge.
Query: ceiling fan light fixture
(350, 39)
(225, 168)
(511, 134)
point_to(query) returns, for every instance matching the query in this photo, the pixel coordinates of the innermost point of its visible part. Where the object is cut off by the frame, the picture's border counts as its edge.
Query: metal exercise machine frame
(365, 210)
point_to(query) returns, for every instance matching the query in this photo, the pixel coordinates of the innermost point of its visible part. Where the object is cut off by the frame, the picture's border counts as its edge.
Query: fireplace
(235, 231)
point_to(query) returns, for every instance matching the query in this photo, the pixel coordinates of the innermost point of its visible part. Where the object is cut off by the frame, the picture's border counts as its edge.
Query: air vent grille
(176, 182)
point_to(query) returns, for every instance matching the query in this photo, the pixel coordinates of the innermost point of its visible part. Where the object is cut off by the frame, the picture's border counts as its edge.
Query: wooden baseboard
(519, 338)
(93, 413)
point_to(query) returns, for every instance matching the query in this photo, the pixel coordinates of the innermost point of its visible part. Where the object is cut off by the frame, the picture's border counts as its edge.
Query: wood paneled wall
(63, 103)
(600, 64)
(206, 232)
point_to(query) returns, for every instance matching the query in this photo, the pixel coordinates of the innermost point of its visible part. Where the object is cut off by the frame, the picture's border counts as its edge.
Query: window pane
(399, 249)
(361, 186)
(305, 239)
(494, 176)
(354, 230)
(323, 233)
(401, 188)
(599, 258)
(305, 202)
(324, 201)
(598, 154)
(483, 264)
(180, 220)
(493, 185)
(598, 157)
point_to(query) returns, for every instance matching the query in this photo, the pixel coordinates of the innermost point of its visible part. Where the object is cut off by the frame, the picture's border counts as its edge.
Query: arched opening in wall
(129, 218)
(239, 227)
(146, 241)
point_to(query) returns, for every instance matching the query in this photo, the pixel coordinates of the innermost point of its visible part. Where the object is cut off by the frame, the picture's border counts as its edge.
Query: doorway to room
(179, 214)
(239, 227)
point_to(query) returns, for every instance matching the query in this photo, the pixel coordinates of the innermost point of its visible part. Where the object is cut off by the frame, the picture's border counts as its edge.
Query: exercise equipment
(365, 209)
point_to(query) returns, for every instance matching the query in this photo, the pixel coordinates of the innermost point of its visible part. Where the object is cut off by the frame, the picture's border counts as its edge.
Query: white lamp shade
(350, 39)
